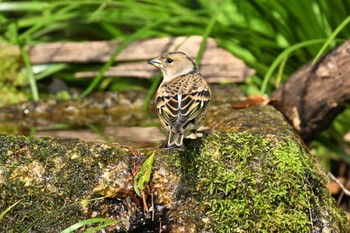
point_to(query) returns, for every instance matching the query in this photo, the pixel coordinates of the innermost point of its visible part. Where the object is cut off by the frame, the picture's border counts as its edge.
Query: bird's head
(174, 64)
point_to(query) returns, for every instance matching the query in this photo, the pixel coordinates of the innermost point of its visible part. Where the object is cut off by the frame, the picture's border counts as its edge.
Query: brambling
(182, 97)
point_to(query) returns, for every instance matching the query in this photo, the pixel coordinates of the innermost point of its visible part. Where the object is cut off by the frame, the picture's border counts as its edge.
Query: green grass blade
(87, 222)
(280, 71)
(125, 43)
(3, 213)
(22, 6)
(54, 211)
(208, 30)
(32, 80)
(151, 91)
(331, 38)
(51, 69)
(95, 16)
(280, 58)
(100, 227)
(27, 64)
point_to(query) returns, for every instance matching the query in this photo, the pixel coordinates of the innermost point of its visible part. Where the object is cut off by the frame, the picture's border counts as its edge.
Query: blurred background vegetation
(273, 37)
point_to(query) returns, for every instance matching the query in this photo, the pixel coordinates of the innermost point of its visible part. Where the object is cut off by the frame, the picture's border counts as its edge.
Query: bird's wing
(180, 106)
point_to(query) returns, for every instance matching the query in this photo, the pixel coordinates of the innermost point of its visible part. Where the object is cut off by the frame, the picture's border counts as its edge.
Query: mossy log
(251, 173)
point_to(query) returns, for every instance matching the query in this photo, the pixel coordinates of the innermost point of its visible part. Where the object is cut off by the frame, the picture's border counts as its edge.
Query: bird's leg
(199, 133)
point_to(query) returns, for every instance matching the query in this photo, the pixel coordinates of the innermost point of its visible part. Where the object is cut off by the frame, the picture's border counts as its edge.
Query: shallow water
(110, 117)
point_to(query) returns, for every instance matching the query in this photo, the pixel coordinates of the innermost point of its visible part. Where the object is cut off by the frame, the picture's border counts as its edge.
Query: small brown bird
(182, 98)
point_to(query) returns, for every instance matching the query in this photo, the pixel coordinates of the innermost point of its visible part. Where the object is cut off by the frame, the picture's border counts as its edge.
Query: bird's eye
(169, 60)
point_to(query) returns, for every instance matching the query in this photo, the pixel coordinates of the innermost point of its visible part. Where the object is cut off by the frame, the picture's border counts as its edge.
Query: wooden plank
(217, 65)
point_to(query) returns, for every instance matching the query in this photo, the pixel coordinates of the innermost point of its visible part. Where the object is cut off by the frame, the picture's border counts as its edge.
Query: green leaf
(143, 176)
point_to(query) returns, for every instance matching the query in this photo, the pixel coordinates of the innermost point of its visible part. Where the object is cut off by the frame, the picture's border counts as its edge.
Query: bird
(182, 97)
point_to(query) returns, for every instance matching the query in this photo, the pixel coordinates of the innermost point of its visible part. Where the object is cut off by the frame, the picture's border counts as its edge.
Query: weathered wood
(314, 95)
(217, 64)
(100, 51)
(215, 72)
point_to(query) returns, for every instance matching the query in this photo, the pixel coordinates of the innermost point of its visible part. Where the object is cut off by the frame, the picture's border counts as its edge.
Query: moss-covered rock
(244, 182)
(254, 184)
(232, 182)
(52, 179)
(249, 174)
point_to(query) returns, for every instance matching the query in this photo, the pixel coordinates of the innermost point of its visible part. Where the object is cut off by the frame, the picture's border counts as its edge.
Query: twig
(152, 207)
(144, 202)
(160, 226)
(332, 177)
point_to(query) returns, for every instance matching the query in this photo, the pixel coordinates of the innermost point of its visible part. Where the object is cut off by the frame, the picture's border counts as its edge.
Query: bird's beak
(155, 62)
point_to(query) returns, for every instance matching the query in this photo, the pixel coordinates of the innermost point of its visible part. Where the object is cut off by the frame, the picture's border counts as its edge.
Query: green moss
(66, 171)
(225, 182)
(10, 67)
(9, 94)
(11, 76)
(253, 184)
(9, 128)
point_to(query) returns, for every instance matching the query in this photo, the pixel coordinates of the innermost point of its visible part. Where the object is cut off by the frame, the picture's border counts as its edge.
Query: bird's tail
(174, 140)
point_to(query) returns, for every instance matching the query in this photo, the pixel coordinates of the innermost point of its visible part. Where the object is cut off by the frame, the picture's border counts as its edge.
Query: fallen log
(314, 95)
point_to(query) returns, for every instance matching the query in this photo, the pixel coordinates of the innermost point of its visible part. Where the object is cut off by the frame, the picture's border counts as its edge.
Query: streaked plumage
(182, 97)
